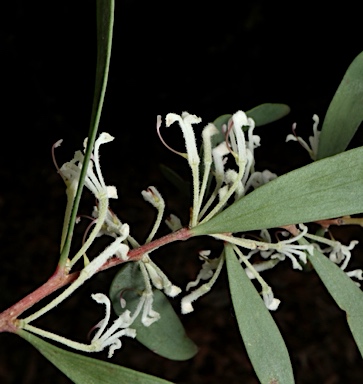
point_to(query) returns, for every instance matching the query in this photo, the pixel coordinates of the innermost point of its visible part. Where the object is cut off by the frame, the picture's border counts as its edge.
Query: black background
(208, 59)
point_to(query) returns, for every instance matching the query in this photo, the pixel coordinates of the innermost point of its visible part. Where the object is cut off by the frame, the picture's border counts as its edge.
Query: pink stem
(8, 318)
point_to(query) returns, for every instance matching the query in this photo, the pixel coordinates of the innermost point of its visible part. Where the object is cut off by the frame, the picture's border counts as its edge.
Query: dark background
(167, 57)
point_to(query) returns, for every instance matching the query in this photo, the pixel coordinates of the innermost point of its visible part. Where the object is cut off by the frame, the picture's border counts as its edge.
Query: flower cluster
(223, 169)
(219, 144)
(107, 223)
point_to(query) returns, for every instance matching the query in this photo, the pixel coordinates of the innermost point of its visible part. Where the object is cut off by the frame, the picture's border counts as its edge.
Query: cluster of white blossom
(107, 223)
(237, 181)
(226, 171)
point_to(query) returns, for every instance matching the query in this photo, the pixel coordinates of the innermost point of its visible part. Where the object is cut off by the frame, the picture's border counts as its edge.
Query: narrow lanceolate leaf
(344, 291)
(105, 19)
(263, 341)
(167, 336)
(327, 188)
(267, 113)
(345, 112)
(82, 369)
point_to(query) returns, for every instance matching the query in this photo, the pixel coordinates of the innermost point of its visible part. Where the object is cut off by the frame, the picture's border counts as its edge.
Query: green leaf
(345, 112)
(267, 113)
(327, 188)
(262, 114)
(105, 19)
(81, 369)
(261, 336)
(344, 291)
(167, 336)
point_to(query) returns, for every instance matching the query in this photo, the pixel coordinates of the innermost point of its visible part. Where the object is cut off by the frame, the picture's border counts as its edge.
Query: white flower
(260, 178)
(158, 277)
(260, 267)
(152, 196)
(357, 273)
(205, 273)
(145, 304)
(231, 177)
(185, 122)
(313, 140)
(219, 153)
(186, 302)
(254, 141)
(339, 252)
(208, 132)
(94, 181)
(235, 143)
(252, 272)
(173, 222)
(268, 297)
(112, 226)
(237, 137)
(149, 316)
(222, 193)
(111, 338)
(285, 248)
(116, 248)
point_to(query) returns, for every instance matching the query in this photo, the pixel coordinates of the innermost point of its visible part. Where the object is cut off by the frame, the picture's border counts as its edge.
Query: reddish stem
(59, 279)
(8, 318)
